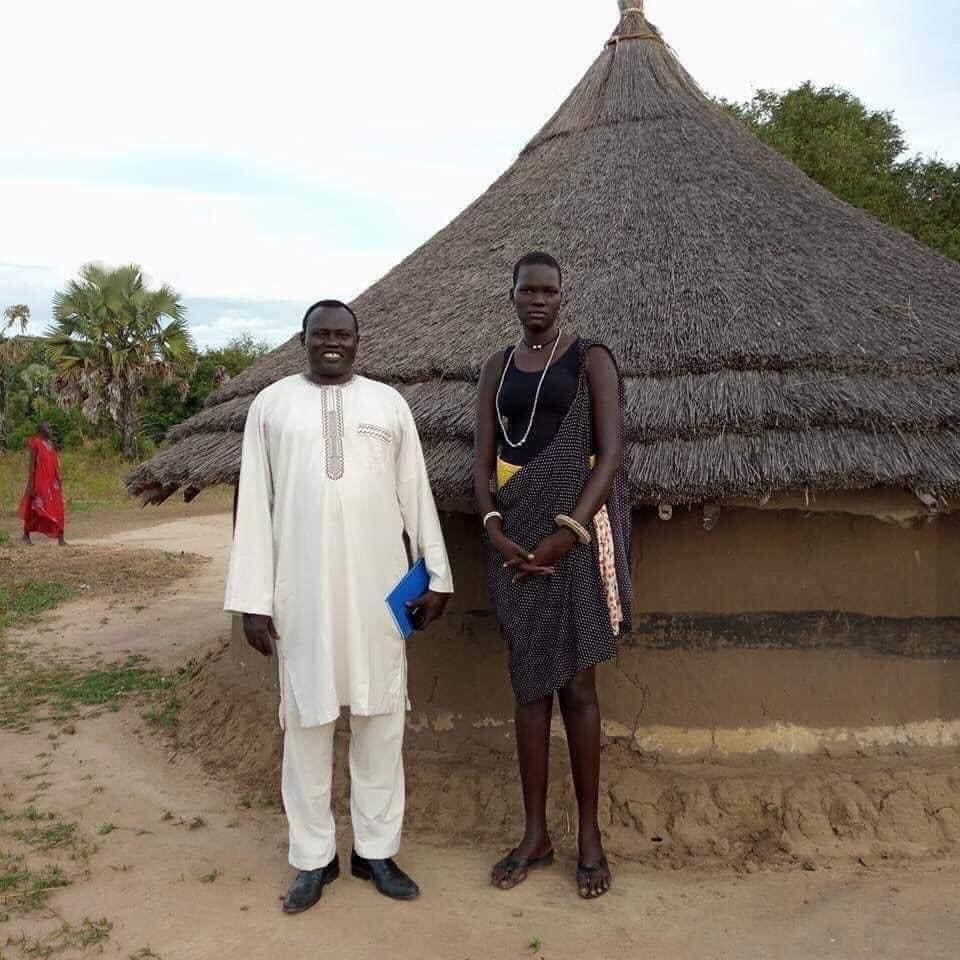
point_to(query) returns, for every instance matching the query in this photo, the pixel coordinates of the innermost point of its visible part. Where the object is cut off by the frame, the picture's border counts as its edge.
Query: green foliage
(12, 349)
(164, 407)
(32, 399)
(69, 427)
(112, 337)
(857, 154)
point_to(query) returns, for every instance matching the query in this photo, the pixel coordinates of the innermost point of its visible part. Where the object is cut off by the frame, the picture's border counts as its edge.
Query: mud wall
(777, 630)
(783, 630)
(811, 659)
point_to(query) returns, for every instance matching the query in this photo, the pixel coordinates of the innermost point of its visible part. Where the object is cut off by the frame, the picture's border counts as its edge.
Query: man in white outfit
(332, 476)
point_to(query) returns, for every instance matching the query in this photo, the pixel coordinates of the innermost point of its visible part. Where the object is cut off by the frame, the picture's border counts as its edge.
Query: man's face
(330, 342)
(536, 296)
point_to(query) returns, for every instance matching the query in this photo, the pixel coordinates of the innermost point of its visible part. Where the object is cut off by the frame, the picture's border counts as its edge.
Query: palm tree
(109, 340)
(12, 349)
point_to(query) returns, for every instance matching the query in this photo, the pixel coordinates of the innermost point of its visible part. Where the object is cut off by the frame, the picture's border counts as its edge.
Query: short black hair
(537, 258)
(329, 305)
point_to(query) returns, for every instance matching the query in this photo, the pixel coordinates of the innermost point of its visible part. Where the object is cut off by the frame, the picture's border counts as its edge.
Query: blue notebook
(412, 585)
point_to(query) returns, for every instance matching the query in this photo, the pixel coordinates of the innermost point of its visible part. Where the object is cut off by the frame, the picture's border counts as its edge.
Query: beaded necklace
(536, 396)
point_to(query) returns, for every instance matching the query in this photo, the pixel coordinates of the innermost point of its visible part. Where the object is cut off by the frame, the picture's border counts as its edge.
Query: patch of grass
(165, 714)
(144, 953)
(197, 822)
(210, 877)
(34, 581)
(535, 945)
(30, 598)
(107, 828)
(63, 689)
(24, 889)
(104, 685)
(46, 838)
(90, 933)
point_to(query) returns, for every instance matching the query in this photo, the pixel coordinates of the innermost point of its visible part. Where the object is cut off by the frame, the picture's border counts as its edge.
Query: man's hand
(260, 632)
(427, 608)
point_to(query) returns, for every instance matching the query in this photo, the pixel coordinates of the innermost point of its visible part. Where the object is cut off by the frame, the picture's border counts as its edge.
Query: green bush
(67, 425)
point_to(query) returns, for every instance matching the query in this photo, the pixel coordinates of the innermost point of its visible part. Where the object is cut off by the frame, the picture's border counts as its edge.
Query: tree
(858, 154)
(36, 384)
(11, 350)
(163, 407)
(109, 341)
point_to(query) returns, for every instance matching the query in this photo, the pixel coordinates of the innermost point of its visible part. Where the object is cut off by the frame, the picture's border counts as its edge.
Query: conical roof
(772, 337)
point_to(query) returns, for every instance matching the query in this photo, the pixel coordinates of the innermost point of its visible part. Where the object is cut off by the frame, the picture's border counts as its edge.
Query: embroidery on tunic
(333, 431)
(372, 430)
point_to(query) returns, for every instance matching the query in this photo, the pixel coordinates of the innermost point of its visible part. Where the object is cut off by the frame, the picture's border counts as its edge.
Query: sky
(262, 156)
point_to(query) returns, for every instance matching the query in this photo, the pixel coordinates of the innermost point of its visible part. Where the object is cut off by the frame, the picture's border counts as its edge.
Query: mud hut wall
(774, 630)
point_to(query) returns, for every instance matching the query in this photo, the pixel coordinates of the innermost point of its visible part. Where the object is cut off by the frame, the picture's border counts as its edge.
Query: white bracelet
(492, 513)
(577, 529)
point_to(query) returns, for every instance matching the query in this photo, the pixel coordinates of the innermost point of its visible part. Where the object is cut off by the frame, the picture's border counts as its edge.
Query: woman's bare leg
(532, 724)
(580, 708)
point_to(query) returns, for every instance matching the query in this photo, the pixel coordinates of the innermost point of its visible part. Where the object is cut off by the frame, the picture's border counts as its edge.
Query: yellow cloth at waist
(506, 471)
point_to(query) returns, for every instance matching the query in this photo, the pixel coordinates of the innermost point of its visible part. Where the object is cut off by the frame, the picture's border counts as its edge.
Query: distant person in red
(42, 506)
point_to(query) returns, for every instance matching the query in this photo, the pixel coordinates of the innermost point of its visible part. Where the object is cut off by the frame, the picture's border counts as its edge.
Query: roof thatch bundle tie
(616, 38)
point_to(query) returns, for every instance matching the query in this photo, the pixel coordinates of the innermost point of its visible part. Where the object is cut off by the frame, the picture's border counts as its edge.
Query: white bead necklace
(536, 396)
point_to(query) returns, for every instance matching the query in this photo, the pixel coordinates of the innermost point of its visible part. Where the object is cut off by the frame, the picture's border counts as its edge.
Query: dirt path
(212, 891)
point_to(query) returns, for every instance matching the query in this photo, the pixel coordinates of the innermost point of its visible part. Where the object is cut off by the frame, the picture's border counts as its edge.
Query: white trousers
(377, 789)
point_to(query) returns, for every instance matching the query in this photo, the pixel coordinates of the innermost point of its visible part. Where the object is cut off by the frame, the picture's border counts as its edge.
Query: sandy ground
(214, 890)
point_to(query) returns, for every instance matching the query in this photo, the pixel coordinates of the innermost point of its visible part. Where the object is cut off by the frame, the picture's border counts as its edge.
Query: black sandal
(583, 871)
(511, 863)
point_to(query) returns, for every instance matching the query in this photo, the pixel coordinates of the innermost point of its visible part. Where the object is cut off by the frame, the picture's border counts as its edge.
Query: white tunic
(330, 478)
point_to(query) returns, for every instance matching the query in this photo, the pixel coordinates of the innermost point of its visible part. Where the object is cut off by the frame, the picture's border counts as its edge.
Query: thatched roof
(772, 337)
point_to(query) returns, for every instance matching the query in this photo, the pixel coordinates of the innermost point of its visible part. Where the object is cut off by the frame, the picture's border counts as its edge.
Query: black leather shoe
(307, 889)
(387, 877)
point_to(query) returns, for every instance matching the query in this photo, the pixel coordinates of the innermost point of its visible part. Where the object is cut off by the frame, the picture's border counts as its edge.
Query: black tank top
(516, 401)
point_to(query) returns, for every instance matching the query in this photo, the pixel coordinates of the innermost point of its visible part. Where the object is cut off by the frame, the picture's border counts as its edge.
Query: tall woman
(549, 484)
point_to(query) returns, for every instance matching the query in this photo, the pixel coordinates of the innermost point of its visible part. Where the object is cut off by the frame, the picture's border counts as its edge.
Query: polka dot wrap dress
(557, 626)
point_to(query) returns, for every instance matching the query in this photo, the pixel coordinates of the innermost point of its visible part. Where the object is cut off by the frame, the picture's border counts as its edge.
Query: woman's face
(536, 297)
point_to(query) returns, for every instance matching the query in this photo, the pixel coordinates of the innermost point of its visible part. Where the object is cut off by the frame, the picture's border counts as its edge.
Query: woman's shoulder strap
(586, 345)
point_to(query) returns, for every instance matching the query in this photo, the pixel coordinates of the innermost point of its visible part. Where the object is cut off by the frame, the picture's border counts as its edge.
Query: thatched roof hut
(773, 338)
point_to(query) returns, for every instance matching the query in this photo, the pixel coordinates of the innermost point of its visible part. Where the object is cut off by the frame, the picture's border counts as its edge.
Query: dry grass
(33, 581)
(104, 572)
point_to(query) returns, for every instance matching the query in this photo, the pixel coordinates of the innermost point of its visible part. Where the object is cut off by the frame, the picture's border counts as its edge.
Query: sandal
(585, 874)
(512, 864)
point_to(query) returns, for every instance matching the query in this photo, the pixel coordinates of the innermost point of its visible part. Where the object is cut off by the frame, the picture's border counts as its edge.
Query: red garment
(44, 513)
